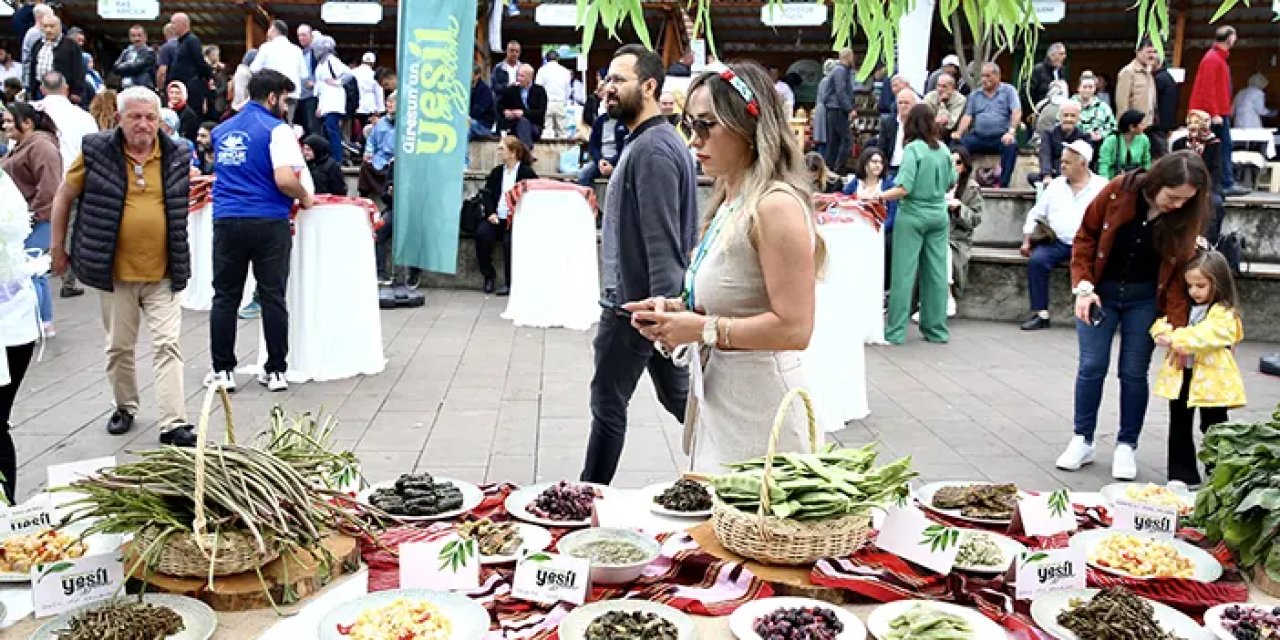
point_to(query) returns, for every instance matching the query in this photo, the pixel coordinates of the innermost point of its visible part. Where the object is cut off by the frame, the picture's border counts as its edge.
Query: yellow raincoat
(1215, 378)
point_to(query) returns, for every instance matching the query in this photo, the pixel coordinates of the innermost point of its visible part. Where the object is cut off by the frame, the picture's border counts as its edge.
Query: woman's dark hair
(523, 155)
(1176, 231)
(921, 124)
(1217, 270)
(1129, 120)
(860, 166)
(962, 180)
(23, 112)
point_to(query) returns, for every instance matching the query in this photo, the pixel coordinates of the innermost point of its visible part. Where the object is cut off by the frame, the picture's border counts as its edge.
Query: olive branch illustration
(940, 538)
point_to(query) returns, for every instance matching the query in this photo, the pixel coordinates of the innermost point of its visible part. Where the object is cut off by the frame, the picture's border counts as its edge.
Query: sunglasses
(700, 126)
(138, 174)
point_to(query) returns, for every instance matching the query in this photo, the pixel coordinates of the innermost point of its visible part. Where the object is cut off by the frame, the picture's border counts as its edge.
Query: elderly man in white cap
(1052, 224)
(372, 101)
(950, 65)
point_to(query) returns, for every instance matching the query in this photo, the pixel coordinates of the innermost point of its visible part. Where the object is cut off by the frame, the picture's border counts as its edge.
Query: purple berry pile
(1252, 623)
(564, 501)
(799, 623)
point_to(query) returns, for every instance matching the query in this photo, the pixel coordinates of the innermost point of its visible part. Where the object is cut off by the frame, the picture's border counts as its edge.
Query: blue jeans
(993, 144)
(333, 130)
(1131, 308)
(41, 235)
(1223, 131)
(1044, 257)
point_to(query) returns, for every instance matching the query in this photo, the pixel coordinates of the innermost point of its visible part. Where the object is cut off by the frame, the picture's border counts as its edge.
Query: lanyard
(704, 247)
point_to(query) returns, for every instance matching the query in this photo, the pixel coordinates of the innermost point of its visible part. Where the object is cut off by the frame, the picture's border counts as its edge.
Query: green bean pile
(812, 486)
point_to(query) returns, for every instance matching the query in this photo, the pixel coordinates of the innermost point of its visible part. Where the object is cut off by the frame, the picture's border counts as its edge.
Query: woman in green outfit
(1126, 149)
(920, 229)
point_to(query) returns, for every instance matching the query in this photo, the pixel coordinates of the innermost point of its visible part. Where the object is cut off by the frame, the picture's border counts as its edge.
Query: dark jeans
(265, 243)
(622, 355)
(1182, 443)
(522, 129)
(994, 144)
(839, 139)
(19, 357)
(333, 132)
(382, 245)
(1159, 143)
(1131, 309)
(1044, 257)
(1213, 226)
(304, 115)
(487, 236)
(1223, 131)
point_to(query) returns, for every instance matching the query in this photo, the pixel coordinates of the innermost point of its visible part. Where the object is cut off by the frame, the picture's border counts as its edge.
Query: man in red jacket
(1211, 92)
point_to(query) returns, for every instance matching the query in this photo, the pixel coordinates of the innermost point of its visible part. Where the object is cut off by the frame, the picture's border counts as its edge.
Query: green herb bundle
(812, 486)
(1240, 503)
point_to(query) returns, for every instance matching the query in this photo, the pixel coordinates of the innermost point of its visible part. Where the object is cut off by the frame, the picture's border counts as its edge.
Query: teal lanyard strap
(704, 248)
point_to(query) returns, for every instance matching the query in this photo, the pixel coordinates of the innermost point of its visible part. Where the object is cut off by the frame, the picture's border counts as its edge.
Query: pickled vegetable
(610, 552)
(631, 625)
(1114, 614)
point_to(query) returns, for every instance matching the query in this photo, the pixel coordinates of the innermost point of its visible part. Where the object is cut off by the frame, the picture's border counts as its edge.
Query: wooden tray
(288, 579)
(1258, 576)
(786, 581)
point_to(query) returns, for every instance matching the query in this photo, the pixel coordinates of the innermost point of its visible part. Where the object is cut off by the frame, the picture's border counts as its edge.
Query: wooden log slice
(786, 580)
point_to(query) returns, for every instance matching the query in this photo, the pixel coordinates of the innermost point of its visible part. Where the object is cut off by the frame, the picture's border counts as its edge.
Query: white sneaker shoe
(1078, 454)
(223, 379)
(951, 306)
(1124, 463)
(273, 381)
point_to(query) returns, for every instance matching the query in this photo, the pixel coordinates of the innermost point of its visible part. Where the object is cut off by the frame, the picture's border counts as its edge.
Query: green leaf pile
(1240, 504)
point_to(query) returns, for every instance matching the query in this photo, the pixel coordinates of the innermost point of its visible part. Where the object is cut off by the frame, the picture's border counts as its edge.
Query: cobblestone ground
(467, 395)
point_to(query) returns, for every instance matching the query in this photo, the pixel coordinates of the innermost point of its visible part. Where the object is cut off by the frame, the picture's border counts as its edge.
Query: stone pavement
(468, 395)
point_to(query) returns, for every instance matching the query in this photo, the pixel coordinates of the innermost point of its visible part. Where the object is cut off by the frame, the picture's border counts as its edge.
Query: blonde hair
(777, 160)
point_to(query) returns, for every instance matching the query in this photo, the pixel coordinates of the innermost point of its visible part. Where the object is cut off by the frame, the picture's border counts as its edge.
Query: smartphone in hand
(1097, 315)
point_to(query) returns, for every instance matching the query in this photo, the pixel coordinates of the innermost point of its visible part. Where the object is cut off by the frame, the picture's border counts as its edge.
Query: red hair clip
(744, 90)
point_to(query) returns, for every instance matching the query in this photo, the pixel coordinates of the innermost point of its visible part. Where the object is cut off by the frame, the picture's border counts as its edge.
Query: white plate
(197, 618)
(469, 619)
(1009, 547)
(1045, 610)
(1213, 619)
(533, 538)
(743, 620)
(1116, 491)
(518, 501)
(983, 627)
(1207, 568)
(925, 496)
(472, 496)
(574, 626)
(654, 490)
(101, 543)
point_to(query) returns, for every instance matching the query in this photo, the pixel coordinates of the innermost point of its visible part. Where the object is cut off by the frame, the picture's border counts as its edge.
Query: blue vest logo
(234, 149)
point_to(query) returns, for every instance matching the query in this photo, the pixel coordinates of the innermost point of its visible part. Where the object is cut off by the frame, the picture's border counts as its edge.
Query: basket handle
(199, 525)
(778, 419)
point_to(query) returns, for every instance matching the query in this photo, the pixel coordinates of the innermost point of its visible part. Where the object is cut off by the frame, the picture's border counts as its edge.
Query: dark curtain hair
(1176, 231)
(962, 181)
(860, 166)
(1129, 120)
(921, 125)
(23, 112)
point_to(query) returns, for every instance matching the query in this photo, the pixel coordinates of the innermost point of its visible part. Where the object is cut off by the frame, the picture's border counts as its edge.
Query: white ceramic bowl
(612, 573)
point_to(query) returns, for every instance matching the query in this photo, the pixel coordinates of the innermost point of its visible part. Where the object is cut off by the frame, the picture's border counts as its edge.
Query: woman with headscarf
(1204, 143)
(188, 122)
(331, 96)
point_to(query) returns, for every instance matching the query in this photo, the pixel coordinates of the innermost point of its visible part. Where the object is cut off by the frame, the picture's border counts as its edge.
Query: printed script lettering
(436, 96)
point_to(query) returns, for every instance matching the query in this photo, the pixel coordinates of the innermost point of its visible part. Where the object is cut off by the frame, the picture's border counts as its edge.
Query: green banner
(435, 53)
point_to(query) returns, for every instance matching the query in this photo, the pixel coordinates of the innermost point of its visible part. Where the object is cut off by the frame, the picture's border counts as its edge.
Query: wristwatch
(711, 331)
(1083, 289)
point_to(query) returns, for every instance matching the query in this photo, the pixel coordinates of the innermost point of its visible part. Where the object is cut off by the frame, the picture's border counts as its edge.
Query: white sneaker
(915, 317)
(223, 379)
(273, 381)
(951, 306)
(1078, 454)
(1124, 463)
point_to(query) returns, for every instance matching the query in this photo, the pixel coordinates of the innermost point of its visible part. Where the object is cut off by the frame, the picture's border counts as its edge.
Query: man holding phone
(650, 219)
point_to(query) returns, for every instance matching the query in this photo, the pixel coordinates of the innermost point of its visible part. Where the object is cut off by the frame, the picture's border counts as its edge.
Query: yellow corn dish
(19, 553)
(400, 619)
(1159, 496)
(1141, 557)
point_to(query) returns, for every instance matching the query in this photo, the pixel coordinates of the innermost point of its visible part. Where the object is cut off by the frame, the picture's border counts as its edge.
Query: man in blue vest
(261, 172)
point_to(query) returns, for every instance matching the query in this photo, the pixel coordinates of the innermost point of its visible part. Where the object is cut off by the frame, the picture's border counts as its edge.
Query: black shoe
(71, 292)
(488, 285)
(120, 423)
(1035, 323)
(505, 291)
(180, 434)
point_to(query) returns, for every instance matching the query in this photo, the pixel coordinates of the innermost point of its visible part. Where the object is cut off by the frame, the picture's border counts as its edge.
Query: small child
(1200, 370)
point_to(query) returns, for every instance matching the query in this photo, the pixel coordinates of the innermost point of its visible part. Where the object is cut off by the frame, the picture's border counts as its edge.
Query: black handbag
(1232, 245)
(472, 213)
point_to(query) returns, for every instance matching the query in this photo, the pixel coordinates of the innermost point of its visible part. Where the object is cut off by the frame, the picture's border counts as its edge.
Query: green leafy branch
(456, 554)
(940, 538)
(1028, 558)
(1059, 503)
(57, 567)
(537, 557)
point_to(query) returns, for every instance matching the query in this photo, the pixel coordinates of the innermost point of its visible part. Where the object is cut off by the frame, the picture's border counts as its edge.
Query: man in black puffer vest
(130, 243)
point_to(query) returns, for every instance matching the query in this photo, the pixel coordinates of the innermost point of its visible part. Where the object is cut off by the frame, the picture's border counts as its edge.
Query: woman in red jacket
(1126, 271)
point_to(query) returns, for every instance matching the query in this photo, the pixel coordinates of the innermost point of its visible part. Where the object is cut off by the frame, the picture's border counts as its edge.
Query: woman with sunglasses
(749, 292)
(35, 164)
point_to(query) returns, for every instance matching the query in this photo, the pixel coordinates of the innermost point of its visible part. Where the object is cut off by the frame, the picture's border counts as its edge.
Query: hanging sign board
(129, 9)
(556, 15)
(351, 12)
(794, 14)
(1050, 11)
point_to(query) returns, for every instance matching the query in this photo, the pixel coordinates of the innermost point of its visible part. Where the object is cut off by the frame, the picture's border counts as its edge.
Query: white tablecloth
(847, 315)
(198, 296)
(555, 273)
(335, 330)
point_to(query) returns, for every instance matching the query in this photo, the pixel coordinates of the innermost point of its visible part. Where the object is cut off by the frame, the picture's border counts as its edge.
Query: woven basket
(774, 540)
(199, 552)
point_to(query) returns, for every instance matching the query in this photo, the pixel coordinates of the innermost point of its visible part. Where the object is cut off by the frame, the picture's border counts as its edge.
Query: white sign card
(61, 475)
(1140, 517)
(33, 516)
(129, 9)
(1048, 570)
(64, 585)
(614, 513)
(550, 577)
(908, 534)
(449, 563)
(1046, 514)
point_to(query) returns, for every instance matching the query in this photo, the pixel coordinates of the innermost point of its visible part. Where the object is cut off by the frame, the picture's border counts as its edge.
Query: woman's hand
(493, 218)
(669, 329)
(1083, 304)
(1163, 340)
(658, 303)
